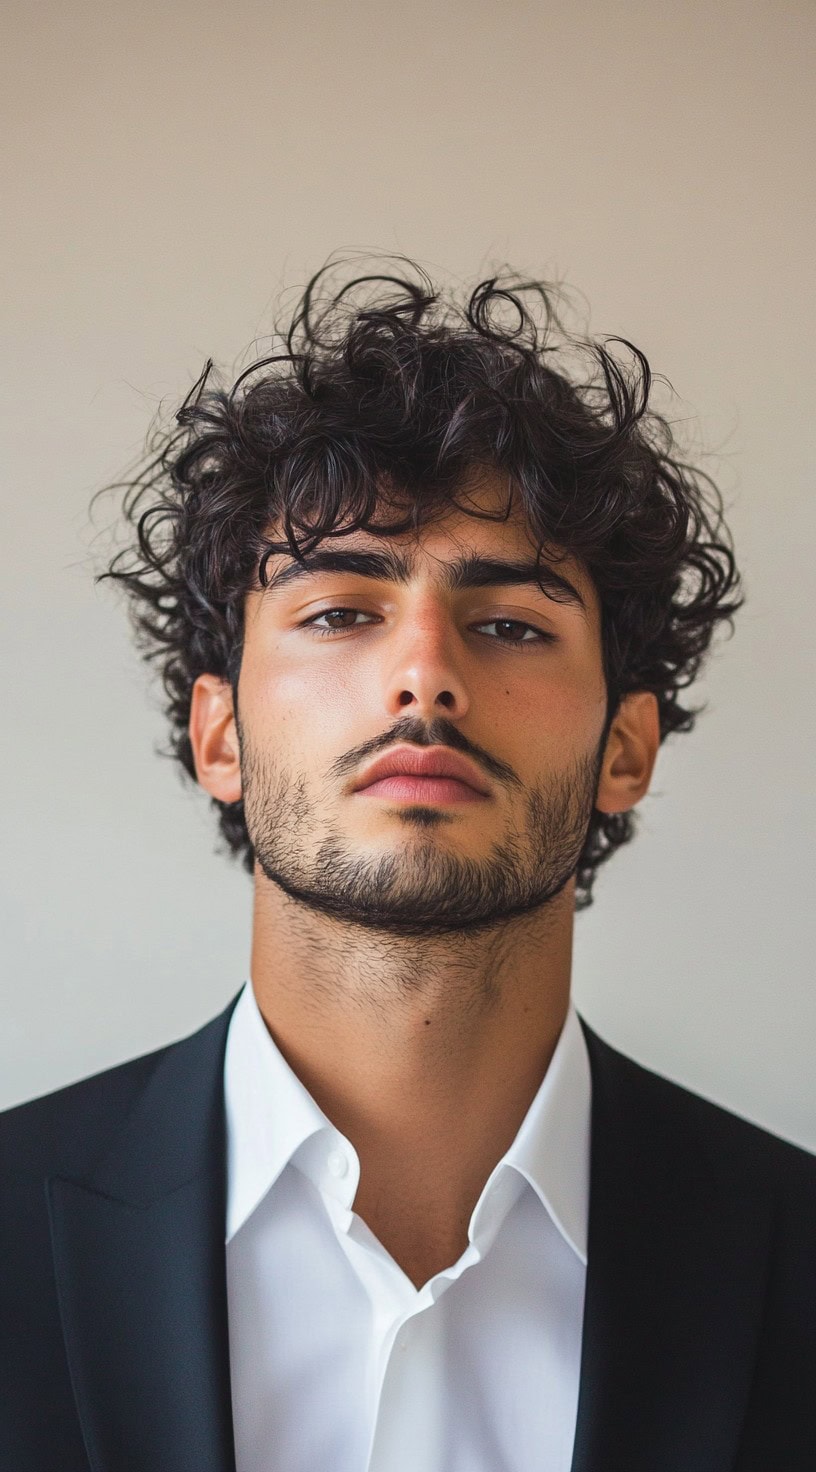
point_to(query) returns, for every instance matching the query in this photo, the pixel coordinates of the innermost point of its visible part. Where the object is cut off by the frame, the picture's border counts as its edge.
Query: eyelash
(543, 636)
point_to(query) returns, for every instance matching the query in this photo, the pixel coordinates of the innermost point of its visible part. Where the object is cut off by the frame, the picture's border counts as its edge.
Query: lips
(413, 761)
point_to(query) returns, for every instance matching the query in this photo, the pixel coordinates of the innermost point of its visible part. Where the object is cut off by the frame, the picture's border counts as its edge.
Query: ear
(630, 753)
(214, 738)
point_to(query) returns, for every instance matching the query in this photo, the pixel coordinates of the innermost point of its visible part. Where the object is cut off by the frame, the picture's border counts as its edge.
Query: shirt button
(338, 1164)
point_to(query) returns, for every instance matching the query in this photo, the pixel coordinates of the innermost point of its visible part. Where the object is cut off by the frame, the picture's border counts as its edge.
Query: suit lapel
(677, 1249)
(140, 1267)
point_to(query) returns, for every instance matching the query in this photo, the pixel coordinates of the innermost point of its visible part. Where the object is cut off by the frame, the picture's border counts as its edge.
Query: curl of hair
(386, 385)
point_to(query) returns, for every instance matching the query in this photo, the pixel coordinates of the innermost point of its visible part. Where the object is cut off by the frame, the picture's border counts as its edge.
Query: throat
(421, 1244)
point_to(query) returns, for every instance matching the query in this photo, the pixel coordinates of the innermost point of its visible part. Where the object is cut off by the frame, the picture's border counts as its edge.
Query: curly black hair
(386, 383)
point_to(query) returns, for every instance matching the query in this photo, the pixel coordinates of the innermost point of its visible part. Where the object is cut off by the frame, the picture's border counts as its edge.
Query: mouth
(404, 787)
(423, 775)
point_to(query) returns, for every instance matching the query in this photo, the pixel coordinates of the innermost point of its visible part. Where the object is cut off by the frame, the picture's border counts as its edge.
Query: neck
(425, 1053)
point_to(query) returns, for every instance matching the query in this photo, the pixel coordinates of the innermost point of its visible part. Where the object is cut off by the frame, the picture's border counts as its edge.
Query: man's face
(500, 674)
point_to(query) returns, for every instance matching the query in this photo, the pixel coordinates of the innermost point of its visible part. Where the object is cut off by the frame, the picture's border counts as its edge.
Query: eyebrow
(470, 571)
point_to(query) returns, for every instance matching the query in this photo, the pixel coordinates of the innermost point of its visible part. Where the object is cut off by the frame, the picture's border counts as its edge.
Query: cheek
(303, 700)
(567, 706)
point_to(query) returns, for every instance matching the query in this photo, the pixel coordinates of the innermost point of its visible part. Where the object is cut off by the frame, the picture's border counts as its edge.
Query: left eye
(514, 623)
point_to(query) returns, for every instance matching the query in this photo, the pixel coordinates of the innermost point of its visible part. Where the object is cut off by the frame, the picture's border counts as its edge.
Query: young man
(425, 606)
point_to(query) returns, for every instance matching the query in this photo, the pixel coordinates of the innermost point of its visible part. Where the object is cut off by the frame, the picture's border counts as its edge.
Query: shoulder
(675, 1124)
(68, 1130)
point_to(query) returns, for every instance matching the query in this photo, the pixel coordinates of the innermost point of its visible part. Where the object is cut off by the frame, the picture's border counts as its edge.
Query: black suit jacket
(699, 1350)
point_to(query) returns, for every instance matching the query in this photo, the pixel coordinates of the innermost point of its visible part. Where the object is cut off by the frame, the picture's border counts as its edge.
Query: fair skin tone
(425, 1047)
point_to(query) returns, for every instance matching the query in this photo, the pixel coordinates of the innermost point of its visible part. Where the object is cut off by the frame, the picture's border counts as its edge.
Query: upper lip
(413, 761)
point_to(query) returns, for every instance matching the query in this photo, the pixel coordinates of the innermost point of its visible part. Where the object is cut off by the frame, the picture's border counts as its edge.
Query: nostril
(445, 697)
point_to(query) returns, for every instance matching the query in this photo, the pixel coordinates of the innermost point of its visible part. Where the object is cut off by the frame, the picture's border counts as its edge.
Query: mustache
(438, 732)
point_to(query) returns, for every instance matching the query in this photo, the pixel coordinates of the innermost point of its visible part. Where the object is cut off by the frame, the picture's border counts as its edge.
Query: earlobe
(630, 754)
(214, 738)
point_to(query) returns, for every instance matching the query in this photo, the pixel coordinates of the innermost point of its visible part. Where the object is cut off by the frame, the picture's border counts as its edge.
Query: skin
(423, 1042)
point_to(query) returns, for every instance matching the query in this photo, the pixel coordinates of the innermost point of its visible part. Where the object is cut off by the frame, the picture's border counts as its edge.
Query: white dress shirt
(338, 1362)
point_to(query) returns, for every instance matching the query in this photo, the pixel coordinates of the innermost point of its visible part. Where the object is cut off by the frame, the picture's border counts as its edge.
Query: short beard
(424, 890)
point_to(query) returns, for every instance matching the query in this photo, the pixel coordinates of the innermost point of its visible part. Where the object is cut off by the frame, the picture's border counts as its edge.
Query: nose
(424, 674)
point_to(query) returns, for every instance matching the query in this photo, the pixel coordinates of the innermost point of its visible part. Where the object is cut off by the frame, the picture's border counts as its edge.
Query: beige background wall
(169, 168)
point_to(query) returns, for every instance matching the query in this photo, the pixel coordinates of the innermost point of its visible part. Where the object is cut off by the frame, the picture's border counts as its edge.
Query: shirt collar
(551, 1149)
(271, 1117)
(270, 1114)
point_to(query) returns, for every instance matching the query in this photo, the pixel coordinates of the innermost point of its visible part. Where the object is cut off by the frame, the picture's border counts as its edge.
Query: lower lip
(422, 789)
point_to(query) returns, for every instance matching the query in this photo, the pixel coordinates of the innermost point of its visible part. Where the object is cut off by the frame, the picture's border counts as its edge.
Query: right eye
(332, 628)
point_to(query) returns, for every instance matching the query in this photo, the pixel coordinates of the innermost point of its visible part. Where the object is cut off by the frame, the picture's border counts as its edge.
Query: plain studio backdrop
(170, 169)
